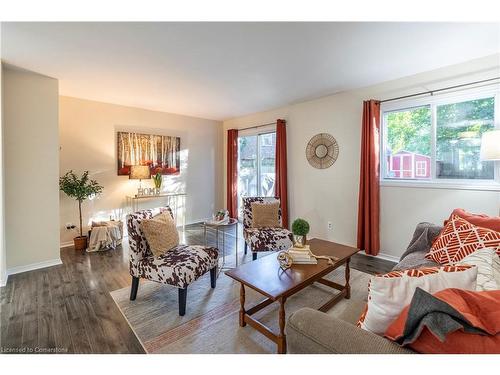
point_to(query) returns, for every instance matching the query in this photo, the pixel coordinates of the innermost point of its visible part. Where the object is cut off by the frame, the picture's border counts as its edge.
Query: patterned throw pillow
(488, 268)
(460, 238)
(481, 220)
(388, 294)
(265, 215)
(161, 233)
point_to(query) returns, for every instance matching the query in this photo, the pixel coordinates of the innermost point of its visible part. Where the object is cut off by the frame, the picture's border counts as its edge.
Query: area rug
(211, 321)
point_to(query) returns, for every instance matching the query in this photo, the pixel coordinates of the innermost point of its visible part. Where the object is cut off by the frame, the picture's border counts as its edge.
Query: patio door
(256, 166)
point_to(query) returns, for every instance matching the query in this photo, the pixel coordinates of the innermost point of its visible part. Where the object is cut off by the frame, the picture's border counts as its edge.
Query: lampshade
(139, 172)
(490, 145)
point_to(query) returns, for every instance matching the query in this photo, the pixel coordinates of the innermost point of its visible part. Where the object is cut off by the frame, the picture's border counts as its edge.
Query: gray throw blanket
(439, 317)
(420, 244)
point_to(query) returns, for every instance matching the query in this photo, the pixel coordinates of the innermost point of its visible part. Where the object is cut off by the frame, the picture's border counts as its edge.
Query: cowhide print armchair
(263, 239)
(178, 267)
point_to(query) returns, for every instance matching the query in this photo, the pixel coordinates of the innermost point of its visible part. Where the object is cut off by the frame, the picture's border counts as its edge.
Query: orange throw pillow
(481, 220)
(460, 238)
(481, 309)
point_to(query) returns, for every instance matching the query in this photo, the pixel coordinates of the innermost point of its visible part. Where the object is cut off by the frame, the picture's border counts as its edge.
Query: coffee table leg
(242, 306)
(281, 336)
(347, 276)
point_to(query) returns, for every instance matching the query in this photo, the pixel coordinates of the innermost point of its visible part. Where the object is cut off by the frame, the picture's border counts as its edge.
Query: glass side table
(222, 227)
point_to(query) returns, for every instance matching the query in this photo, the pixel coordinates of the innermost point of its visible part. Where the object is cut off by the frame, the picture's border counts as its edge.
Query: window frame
(434, 101)
(257, 132)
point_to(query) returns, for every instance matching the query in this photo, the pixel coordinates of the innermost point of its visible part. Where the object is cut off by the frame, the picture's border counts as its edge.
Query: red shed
(405, 164)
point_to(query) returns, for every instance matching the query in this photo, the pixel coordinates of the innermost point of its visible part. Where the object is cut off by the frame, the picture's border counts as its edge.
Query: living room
(250, 188)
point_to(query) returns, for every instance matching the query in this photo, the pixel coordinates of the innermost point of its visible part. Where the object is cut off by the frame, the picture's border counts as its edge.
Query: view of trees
(458, 136)
(459, 130)
(410, 130)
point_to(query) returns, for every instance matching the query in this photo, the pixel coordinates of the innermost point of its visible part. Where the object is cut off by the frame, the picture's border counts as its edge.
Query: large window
(438, 139)
(256, 166)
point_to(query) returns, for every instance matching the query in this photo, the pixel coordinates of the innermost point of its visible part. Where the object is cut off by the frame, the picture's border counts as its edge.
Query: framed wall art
(160, 152)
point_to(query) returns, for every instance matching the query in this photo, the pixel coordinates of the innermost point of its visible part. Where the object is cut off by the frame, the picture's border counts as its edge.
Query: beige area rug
(211, 321)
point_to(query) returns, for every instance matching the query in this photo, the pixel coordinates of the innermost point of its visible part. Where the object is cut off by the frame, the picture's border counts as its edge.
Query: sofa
(310, 331)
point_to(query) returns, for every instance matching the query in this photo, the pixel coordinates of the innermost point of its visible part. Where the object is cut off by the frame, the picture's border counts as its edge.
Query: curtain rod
(438, 90)
(258, 126)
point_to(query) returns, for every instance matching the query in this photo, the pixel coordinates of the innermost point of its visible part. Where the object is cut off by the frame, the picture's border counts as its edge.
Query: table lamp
(490, 146)
(139, 172)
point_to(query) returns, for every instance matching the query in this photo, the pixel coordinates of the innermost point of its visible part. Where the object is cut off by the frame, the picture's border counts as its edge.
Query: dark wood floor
(68, 308)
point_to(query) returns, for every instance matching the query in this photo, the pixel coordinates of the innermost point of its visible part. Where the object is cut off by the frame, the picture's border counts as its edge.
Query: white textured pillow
(391, 292)
(487, 262)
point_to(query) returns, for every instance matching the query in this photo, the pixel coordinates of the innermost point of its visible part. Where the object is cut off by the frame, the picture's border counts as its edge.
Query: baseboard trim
(390, 258)
(34, 266)
(3, 280)
(66, 244)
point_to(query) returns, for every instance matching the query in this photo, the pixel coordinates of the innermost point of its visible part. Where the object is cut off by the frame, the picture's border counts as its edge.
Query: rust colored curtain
(280, 186)
(232, 172)
(369, 182)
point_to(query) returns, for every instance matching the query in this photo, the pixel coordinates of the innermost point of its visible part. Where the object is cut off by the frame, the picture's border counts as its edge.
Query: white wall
(88, 142)
(31, 160)
(3, 255)
(332, 194)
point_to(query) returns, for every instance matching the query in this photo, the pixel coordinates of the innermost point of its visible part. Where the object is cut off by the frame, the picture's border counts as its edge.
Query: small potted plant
(300, 229)
(79, 188)
(157, 180)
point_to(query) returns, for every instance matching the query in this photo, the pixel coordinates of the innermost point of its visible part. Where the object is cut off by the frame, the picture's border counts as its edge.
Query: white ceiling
(224, 70)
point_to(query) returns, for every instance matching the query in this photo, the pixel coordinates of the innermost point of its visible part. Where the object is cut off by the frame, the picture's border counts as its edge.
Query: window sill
(450, 185)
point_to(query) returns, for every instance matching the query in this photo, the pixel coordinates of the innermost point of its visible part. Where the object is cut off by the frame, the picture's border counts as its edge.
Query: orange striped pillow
(459, 238)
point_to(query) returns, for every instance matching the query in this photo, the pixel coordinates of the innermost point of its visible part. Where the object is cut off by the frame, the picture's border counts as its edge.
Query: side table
(222, 228)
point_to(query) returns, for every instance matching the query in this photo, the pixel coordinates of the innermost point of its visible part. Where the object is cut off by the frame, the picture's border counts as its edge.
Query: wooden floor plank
(14, 335)
(77, 329)
(62, 334)
(46, 323)
(114, 329)
(30, 308)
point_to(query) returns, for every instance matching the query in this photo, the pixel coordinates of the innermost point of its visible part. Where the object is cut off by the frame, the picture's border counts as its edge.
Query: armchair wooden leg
(213, 277)
(182, 301)
(135, 287)
(246, 248)
(254, 255)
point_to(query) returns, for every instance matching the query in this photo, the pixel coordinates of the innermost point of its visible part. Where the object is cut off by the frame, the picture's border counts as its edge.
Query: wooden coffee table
(266, 277)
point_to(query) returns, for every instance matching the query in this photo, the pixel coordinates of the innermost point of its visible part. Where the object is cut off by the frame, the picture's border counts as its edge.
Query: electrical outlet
(330, 225)
(70, 226)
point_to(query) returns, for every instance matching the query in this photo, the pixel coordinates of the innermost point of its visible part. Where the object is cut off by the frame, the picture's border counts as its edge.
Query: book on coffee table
(304, 249)
(309, 261)
(302, 256)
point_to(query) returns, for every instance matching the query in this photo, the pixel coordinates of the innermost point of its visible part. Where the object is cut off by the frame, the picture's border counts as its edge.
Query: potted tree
(79, 188)
(300, 229)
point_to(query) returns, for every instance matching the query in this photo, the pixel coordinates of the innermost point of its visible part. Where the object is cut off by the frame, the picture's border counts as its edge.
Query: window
(421, 168)
(459, 130)
(438, 139)
(408, 136)
(256, 166)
